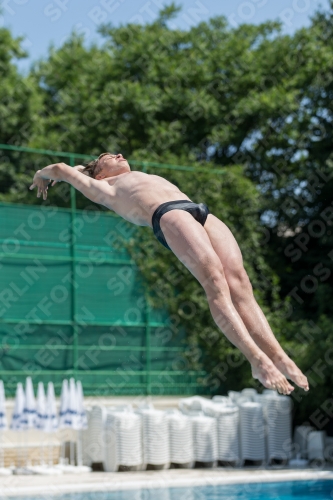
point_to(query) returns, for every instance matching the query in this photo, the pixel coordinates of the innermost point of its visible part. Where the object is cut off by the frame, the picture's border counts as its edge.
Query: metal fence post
(73, 280)
(148, 344)
(148, 353)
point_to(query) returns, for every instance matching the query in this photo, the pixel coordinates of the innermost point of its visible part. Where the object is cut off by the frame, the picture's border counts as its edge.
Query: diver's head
(107, 165)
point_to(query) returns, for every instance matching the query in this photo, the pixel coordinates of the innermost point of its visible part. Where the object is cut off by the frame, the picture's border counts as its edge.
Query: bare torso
(136, 195)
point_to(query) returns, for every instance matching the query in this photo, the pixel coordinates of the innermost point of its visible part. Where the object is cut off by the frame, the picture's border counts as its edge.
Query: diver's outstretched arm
(98, 191)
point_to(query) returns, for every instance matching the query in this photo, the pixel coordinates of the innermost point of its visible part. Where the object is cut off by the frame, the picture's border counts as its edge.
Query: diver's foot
(268, 374)
(291, 371)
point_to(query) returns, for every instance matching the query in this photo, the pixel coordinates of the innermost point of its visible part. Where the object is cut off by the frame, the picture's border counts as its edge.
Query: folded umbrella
(40, 408)
(3, 427)
(40, 421)
(3, 418)
(81, 424)
(82, 421)
(72, 415)
(51, 421)
(64, 402)
(64, 423)
(29, 408)
(29, 412)
(16, 421)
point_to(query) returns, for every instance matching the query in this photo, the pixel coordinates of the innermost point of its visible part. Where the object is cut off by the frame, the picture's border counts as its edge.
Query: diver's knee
(239, 283)
(215, 282)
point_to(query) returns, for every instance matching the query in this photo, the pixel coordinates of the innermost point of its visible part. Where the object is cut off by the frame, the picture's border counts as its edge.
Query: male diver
(201, 241)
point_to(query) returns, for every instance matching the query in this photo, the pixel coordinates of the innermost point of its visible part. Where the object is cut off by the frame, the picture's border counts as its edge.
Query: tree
(250, 100)
(19, 107)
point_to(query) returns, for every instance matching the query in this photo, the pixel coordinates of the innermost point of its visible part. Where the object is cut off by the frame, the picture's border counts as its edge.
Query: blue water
(300, 490)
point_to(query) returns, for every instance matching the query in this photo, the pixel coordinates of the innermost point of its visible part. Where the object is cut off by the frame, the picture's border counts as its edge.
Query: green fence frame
(190, 383)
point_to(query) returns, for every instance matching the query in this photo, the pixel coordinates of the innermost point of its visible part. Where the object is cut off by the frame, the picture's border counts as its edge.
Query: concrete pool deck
(103, 481)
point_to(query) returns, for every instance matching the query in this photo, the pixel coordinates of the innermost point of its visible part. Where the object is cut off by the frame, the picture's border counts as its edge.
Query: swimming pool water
(300, 490)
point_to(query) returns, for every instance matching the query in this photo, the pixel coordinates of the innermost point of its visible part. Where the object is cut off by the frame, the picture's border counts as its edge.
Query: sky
(46, 22)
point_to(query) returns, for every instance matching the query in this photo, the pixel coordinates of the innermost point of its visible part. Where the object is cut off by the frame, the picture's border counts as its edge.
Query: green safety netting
(72, 303)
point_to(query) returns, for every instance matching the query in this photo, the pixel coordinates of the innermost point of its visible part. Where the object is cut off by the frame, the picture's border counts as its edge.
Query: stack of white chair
(301, 439)
(111, 463)
(119, 408)
(95, 438)
(86, 458)
(4, 471)
(181, 439)
(227, 418)
(328, 453)
(316, 445)
(278, 419)
(205, 438)
(123, 436)
(277, 413)
(252, 432)
(238, 398)
(194, 404)
(225, 400)
(156, 447)
(234, 395)
(270, 392)
(249, 393)
(258, 398)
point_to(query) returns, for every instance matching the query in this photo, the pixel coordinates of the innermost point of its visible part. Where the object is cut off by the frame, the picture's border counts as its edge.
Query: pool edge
(126, 481)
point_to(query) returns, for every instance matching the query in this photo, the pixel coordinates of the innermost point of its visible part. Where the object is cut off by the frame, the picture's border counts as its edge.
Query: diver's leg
(190, 243)
(228, 251)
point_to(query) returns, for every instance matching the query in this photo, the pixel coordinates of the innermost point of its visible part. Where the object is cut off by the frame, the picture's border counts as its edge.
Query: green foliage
(20, 101)
(249, 99)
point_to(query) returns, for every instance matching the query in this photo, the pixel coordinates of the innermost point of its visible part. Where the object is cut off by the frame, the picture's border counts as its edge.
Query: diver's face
(111, 165)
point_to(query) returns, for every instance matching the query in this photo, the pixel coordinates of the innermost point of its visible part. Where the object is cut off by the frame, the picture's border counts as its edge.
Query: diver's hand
(43, 178)
(41, 184)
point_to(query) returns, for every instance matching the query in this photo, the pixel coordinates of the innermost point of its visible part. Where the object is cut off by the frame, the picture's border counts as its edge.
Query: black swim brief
(199, 211)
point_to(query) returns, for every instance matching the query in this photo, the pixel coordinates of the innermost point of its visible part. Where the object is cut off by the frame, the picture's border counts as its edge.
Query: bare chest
(137, 196)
